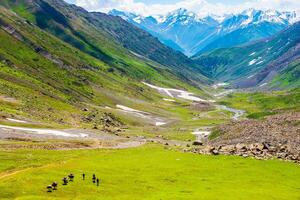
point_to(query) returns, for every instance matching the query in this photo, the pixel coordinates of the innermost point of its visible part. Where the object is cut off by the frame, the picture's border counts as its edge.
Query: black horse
(71, 177)
(65, 181)
(54, 185)
(94, 178)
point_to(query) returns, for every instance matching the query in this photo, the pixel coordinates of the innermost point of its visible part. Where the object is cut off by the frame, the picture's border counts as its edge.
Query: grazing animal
(71, 177)
(54, 185)
(49, 188)
(65, 181)
(94, 178)
(83, 176)
(98, 181)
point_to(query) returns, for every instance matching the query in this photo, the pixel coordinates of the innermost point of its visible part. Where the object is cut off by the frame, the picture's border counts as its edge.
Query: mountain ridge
(267, 63)
(196, 34)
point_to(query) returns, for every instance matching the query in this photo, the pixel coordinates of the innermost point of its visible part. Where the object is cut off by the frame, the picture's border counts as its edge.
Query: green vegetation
(260, 104)
(215, 134)
(51, 77)
(151, 173)
(61, 67)
(289, 78)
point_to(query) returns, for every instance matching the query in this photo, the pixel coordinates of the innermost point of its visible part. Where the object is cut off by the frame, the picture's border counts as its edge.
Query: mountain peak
(250, 12)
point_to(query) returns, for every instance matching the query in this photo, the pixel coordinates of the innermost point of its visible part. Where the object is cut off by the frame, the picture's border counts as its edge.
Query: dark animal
(65, 181)
(54, 185)
(94, 178)
(98, 181)
(71, 177)
(49, 188)
(83, 176)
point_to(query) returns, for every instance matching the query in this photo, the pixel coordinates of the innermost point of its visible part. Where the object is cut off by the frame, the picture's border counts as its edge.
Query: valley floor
(148, 172)
(146, 160)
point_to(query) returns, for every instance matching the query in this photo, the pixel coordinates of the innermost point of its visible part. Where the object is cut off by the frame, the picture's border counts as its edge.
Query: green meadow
(148, 172)
(260, 104)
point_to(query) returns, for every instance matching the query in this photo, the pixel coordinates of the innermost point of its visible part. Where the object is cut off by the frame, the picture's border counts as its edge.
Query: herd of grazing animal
(70, 178)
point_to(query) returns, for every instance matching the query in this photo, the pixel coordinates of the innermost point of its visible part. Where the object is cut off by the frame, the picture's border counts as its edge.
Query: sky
(201, 7)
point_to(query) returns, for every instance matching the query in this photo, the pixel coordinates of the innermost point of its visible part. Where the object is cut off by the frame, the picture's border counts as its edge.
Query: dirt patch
(46, 145)
(9, 100)
(201, 106)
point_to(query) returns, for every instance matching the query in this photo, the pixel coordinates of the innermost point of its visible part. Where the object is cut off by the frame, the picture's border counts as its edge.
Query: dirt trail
(8, 174)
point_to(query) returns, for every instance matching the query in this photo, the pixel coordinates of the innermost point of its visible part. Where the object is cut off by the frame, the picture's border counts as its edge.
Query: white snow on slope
(142, 114)
(17, 120)
(252, 62)
(175, 93)
(45, 131)
(259, 62)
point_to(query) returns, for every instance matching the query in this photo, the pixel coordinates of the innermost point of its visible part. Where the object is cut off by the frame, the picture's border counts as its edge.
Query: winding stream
(237, 113)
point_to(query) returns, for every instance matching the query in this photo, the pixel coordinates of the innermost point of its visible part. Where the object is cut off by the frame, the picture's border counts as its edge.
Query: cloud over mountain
(201, 7)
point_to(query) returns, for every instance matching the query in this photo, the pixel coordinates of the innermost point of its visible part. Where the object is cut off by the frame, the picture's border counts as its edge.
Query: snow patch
(262, 85)
(218, 85)
(16, 120)
(46, 131)
(128, 109)
(160, 123)
(175, 93)
(252, 62)
(142, 114)
(260, 62)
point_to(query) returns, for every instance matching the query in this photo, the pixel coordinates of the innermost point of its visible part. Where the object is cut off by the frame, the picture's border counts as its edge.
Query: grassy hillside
(289, 78)
(52, 68)
(103, 36)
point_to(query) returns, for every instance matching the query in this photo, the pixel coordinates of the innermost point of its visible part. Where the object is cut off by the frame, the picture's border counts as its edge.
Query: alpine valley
(118, 105)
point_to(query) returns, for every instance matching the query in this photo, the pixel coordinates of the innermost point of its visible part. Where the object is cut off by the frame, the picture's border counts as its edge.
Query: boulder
(215, 152)
(228, 149)
(240, 147)
(197, 143)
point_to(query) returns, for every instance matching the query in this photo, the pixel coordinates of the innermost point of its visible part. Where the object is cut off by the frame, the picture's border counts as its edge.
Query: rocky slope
(276, 136)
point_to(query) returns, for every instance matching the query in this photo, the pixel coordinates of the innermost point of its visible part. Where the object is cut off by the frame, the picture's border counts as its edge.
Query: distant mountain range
(184, 31)
(268, 63)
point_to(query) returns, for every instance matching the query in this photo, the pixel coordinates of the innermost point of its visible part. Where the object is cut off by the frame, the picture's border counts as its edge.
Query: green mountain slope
(266, 61)
(102, 36)
(59, 69)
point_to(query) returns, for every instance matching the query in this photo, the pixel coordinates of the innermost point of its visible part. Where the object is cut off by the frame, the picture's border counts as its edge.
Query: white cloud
(201, 7)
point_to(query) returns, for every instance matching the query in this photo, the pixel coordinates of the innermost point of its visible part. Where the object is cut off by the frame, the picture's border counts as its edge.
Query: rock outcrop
(260, 151)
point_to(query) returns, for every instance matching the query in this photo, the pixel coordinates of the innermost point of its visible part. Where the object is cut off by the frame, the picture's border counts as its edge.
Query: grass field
(261, 104)
(148, 172)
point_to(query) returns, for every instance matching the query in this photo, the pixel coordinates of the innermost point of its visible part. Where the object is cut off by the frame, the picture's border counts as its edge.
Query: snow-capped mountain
(186, 31)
